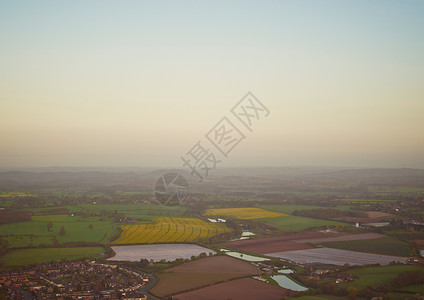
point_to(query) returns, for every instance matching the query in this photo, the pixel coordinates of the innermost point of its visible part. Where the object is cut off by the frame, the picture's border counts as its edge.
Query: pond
(287, 283)
(244, 236)
(217, 220)
(246, 257)
(285, 271)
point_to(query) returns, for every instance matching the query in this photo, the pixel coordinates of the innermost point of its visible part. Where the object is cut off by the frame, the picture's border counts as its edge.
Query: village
(82, 279)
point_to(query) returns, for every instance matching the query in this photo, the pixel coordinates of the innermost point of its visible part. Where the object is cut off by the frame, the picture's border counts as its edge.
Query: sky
(140, 83)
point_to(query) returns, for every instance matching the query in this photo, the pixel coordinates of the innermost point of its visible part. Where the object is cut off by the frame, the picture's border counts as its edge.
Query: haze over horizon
(101, 83)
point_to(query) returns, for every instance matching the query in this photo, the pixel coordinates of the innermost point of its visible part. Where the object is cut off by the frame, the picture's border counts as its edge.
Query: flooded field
(286, 271)
(336, 257)
(246, 257)
(157, 252)
(245, 235)
(289, 284)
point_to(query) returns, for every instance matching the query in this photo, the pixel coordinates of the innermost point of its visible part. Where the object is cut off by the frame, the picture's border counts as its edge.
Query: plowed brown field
(200, 273)
(277, 244)
(246, 289)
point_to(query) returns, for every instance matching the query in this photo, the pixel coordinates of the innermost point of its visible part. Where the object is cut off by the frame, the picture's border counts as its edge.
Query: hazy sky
(138, 83)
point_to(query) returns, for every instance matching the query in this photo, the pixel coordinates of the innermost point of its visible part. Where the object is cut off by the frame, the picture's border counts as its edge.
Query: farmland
(289, 209)
(295, 223)
(158, 252)
(385, 245)
(243, 213)
(24, 257)
(200, 273)
(172, 283)
(157, 239)
(76, 229)
(170, 230)
(15, 194)
(376, 276)
(246, 288)
(296, 241)
(217, 264)
(336, 257)
(137, 211)
(275, 244)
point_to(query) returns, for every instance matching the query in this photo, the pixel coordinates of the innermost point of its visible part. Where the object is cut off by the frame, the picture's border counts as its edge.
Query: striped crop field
(243, 213)
(170, 230)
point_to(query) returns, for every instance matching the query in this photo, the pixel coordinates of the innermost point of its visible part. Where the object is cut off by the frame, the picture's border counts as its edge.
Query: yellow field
(168, 230)
(14, 194)
(243, 213)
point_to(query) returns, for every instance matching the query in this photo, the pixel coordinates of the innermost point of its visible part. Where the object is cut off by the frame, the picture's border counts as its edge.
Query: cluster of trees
(408, 278)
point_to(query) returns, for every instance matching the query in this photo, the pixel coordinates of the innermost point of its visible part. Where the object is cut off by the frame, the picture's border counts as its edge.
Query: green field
(367, 200)
(51, 218)
(295, 223)
(85, 226)
(375, 276)
(289, 209)
(386, 245)
(23, 241)
(137, 211)
(25, 257)
(418, 288)
(77, 229)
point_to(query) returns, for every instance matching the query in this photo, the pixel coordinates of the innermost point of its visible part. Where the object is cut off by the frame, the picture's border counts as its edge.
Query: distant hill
(226, 178)
(390, 177)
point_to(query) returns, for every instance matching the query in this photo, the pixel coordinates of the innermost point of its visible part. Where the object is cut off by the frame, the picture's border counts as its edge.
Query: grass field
(386, 245)
(375, 276)
(137, 211)
(289, 209)
(295, 223)
(77, 229)
(169, 230)
(25, 257)
(367, 200)
(243, 213)
(51, 218)
(418, 288)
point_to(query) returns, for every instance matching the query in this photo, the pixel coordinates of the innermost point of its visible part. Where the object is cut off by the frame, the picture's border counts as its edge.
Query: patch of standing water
(244, 236)
(217, 220)
(246, 257)
(289, 284)
(247, 233)
(285, 271)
